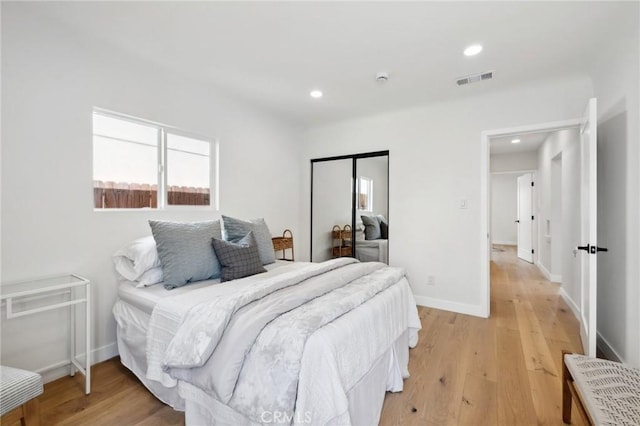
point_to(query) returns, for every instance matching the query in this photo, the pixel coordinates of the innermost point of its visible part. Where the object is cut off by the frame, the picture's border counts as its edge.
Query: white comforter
(257, 329)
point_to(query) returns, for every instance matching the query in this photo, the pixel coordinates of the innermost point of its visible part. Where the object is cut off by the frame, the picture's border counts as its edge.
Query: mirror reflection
(372, 209)
(350, 207)
(331, 197)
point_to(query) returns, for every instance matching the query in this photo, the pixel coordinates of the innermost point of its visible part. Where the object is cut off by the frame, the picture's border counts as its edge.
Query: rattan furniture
(341, 241)
(605, 392)
(283, 244)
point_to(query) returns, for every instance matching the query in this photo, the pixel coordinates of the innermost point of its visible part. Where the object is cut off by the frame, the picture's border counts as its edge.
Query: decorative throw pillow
(185, 250)
(236, 229)
(240, 259)
(384, 227)
(371, 228)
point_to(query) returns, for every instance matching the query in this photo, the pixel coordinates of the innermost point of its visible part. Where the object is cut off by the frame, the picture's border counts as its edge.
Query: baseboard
(61, 369)
(574, 308)
(601, 342)
(607, 349)
(446, 305)
(504, 243)
(554, 278)
(544, 270)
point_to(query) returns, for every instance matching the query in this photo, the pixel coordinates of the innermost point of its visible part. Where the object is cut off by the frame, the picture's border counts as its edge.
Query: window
(140, 164)
(365, 194)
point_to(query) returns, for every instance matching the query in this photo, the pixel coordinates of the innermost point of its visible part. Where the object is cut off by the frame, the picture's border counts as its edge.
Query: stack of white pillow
(138, 262)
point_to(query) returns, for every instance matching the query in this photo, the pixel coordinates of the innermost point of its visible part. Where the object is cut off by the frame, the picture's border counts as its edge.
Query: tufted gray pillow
(371, 228)
(236, 229)
(240, 259)
(185, 250)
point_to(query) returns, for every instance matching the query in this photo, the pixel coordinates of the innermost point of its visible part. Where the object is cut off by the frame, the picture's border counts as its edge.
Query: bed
(372, 244)
(303, 343)
(372, 250)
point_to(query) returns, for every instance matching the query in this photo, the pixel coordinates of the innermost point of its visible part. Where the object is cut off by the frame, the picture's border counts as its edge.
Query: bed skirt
(365, 398)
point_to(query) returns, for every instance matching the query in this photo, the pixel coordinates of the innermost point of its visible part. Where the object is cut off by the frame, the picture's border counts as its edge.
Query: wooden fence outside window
(122, 195)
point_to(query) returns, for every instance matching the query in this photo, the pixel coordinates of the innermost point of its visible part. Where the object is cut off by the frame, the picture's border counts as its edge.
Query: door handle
(592, 249)
(516, 221)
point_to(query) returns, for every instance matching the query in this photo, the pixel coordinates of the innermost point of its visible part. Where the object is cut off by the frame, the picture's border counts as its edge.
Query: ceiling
(273, 53)
(528, 142)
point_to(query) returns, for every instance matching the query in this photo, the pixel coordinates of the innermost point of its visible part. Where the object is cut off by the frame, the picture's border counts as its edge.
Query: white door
(588, 229)
(525, 217)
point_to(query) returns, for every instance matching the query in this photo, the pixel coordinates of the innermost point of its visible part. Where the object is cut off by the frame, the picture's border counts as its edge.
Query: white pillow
(136, 258)
(151, 277)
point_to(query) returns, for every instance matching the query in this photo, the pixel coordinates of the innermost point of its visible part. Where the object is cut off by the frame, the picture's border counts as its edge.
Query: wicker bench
(606, 392)
(19, 391)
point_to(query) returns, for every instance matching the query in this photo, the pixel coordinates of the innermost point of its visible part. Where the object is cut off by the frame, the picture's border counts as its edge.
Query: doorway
(487, 139)
(576, 170)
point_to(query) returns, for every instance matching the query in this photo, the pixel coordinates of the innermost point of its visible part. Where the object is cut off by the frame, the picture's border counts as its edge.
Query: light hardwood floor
(504, 370)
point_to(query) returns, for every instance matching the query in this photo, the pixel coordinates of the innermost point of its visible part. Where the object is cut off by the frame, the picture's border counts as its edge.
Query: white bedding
(372, 251)
(368, 343)
(145, 298)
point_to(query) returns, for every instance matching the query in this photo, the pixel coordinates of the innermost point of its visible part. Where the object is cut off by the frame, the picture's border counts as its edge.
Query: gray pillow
(384, 227)
(185, 250)
(240, 259)
(371, 228)
(236, 229)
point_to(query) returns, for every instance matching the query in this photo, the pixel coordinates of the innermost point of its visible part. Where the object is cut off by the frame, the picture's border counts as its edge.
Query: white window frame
(163, 195)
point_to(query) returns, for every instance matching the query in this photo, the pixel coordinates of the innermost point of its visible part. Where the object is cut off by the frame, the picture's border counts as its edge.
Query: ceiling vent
(474, 78)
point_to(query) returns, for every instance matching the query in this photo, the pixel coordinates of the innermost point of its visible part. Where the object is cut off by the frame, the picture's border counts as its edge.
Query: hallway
(503, 370)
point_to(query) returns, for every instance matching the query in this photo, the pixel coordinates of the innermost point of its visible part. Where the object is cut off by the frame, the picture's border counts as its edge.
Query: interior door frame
(485, 217)
(354, 195)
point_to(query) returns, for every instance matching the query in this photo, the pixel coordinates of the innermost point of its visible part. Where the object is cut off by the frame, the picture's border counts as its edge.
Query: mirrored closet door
(350, 207)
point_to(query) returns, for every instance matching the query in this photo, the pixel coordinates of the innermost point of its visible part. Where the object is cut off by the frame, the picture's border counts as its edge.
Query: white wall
(565, 217)
(51, 80)
(434, 163)
(504, 209)
(515, 161)
(616, 77)
(552, 229)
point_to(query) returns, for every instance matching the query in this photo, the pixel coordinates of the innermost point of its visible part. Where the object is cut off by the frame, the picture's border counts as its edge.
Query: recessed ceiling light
(316, 94)
(515, 140)
(473, 50)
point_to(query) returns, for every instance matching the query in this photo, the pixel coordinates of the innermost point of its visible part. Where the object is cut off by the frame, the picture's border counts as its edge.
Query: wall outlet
(431, 280)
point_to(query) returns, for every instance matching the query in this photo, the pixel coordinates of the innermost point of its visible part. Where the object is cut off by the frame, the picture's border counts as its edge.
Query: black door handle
(516, 221)
(592, 249)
